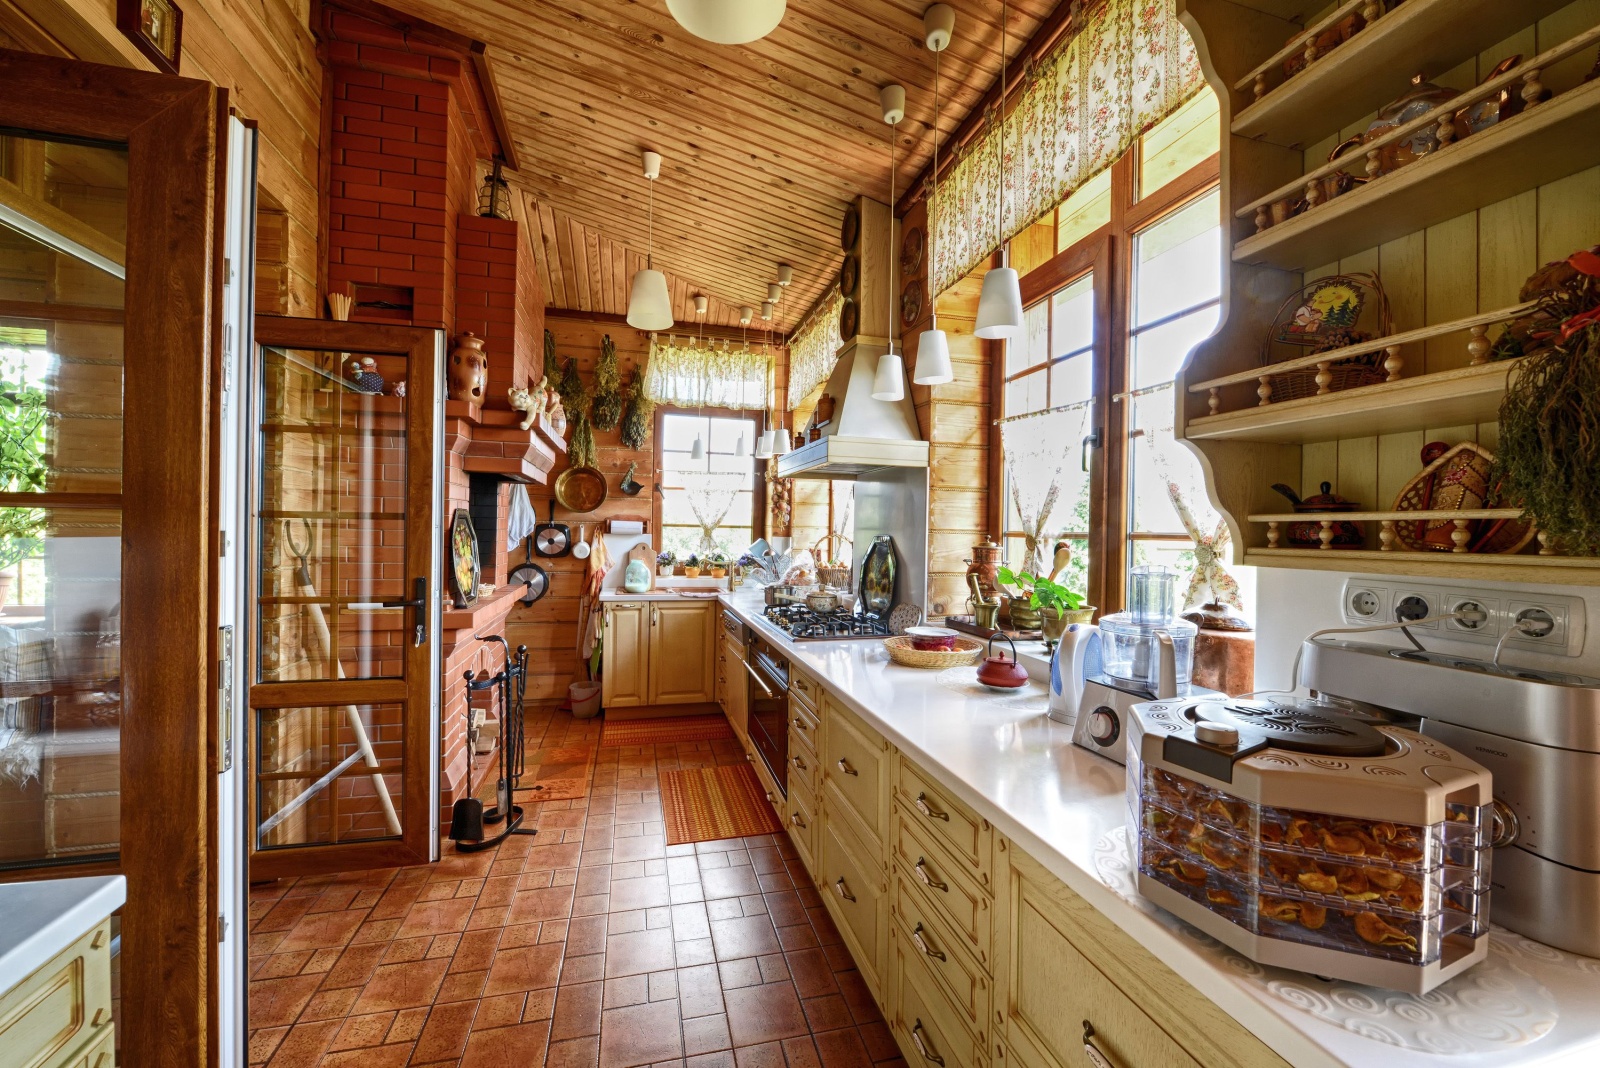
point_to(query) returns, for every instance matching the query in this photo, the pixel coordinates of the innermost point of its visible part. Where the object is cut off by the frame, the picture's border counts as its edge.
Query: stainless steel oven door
(769, 713)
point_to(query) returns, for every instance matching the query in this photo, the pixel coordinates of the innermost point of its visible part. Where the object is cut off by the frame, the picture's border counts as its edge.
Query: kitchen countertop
(1527, 1004)
(701, 593)
(43, 918)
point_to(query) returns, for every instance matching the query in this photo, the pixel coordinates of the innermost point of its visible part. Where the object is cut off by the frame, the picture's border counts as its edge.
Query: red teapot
(1002, 672)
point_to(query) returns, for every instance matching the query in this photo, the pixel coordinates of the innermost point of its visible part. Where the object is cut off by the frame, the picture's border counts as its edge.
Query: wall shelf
(1518, 567)
(1558, 137)
(1375, 66)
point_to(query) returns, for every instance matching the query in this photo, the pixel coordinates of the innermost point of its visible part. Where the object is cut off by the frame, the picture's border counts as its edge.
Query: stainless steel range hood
(865, 435)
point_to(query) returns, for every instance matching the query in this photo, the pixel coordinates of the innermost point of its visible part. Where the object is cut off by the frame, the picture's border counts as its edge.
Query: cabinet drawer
(805, 687)
(63, 1005)
(801, 820)
(101, 1053)
(927, 1027)
(802, 762)
(933, 876)
(803, 722)
(854, 760)
(947, 821)
(855, 893)
(922, 933)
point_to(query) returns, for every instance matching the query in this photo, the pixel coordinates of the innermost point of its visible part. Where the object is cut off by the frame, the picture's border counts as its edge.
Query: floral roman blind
(1130, 64)
(815, 349)
(710, 374)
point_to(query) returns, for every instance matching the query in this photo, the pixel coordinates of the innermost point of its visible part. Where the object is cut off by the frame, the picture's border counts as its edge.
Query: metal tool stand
(470, 817)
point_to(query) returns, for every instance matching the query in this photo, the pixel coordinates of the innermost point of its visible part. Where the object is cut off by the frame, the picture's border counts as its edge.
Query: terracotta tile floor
(592, 945)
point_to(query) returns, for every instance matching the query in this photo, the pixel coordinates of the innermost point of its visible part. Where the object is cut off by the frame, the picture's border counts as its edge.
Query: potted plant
(666, 563)
(718, 562)
(1054, 604)
(691, 566)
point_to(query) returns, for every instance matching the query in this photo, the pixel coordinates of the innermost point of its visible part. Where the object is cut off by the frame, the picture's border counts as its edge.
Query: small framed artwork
(155, 27)
(465, 567)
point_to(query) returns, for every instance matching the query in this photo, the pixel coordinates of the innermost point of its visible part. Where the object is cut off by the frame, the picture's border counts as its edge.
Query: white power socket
(1560, 620)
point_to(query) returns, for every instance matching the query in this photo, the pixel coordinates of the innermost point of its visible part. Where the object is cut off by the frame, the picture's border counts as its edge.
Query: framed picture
(156, 28)
(465, 567)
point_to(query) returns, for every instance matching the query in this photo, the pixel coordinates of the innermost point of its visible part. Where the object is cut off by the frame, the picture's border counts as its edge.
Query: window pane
(1034, 348)
(313, 782)
(1084, 212)
(678, 432)
(1179, 142)
(1159, 353)
(1028, 393)
(1178, 261)
(717, 490)
(1072, 380)
(1072, 318)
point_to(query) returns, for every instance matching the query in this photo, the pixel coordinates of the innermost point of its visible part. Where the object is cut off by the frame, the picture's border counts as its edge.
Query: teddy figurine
(523, 401)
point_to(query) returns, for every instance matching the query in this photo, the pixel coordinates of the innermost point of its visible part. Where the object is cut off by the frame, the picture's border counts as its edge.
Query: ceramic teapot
(1002, 672)
(1308, 534)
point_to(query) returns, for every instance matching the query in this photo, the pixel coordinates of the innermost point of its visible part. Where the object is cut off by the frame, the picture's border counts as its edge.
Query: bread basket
(902, 652)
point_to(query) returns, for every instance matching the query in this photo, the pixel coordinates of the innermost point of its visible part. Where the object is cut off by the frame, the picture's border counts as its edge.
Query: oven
(769, 707)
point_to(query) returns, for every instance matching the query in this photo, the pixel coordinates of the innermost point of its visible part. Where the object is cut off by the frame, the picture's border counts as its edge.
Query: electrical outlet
(1547, 622)
(1479, 615)
(1366, 604)
(1487, 614)
(1412, 604)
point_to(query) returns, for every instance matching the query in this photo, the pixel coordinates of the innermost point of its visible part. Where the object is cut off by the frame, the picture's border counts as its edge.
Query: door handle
(1091, 1049)
(844, 766)
(931, 813)
(655, 615)
(759, 682)
(1090, 441)
(929, 881)
(801, 764)
(844, 891)
(419, 604)
(922, 1047)
(794, 818)
(927, 951)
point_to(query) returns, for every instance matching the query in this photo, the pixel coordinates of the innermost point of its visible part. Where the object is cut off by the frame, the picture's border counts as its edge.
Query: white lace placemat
(1491, 1007)
(964, 680)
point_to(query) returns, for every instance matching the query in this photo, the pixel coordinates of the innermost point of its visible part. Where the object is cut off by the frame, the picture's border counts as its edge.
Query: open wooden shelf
(1516, 567)
(1375, 66)
(1544, 143)
(1447, 398)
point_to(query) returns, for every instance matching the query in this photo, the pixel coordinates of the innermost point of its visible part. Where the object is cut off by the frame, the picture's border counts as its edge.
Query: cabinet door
(627, 656)
(737, 703)
(681, 644)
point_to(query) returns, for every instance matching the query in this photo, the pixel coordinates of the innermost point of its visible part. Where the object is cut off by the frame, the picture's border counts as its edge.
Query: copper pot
(985, 567)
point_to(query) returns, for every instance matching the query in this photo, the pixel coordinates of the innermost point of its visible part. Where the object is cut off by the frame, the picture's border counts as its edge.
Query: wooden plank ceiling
(763, 143)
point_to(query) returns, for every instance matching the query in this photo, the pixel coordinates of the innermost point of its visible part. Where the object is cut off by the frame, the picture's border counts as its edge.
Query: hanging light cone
(1000, 305)
(728, 21)
(933, 359)
(764, 446)
(697, 451)
(782, 444)
(738, 448)
(889, 381)
(649, 305)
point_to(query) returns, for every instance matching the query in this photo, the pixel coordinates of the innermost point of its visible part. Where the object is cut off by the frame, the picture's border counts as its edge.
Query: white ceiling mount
(774, 292)
(728, 22)
(938, 26)
(766, 310)
(652, 164)
(785, 274)
(893, 100)
(701, 303)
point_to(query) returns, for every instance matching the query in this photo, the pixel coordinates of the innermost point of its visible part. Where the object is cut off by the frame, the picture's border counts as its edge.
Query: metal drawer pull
(844, 891)
(800, 724)
(922, 1047)
(927, 951)
(931, 813)
(801, 764)
(1092, 1051)
(844, 766)
(794, 818)
(759, 681)
(927, 880)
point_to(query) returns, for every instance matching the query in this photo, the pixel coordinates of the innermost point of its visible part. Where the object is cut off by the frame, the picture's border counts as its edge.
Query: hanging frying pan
(552, 539)
(533, 577)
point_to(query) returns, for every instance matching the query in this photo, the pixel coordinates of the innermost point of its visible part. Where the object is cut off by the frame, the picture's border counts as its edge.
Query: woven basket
(1349, 373)
(835, 577)
(901, 651)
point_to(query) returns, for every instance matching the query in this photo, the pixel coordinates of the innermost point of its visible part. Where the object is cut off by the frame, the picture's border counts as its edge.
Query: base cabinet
(658, 653)
(927, 1027)
(852, 885)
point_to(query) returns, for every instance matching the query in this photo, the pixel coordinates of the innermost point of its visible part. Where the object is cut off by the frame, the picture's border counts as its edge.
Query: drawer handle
(801, 764)
(927, 950)
(930, 812)
(1092, 1051)
(794, 818)
(844, 891)
(799, 723)
(99, 1014)
(844, 766)
(929, 881)
(922, 1047)
(98, 940)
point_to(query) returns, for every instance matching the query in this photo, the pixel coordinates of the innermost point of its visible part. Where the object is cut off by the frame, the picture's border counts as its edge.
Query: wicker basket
(902, 652)
(827, 548)
(1363, 370)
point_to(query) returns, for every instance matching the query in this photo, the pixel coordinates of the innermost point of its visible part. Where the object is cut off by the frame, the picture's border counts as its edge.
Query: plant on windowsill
(718, 562)
(22, 469)
(666, 563)
(1054, 603)
(691, 566)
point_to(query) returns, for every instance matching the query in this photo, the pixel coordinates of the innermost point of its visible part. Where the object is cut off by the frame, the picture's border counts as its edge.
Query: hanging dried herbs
(606, 412)
(1549, 451)
(574, 394)
(636, 424)
(552, 365)
(581, 451)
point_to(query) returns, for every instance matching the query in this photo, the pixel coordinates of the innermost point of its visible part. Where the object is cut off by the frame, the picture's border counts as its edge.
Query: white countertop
(1526, 1005)
(40, 919)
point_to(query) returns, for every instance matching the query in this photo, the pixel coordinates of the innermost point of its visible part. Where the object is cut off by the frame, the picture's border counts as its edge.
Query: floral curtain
(815, 349)
(1039, 451)
(711, 374)
(1130, 65)
(711, 495)
(1210, 582)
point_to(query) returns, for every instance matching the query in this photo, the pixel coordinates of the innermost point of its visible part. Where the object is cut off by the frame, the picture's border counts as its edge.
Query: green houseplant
(691, 566)
(1055, 604)
(22, 470)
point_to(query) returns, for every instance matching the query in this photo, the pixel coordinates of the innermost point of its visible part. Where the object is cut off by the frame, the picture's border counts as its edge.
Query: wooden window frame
(758, 500)
(1108, 252)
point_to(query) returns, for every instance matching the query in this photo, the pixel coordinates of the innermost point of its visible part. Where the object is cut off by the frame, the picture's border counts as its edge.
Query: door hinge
(225, 698)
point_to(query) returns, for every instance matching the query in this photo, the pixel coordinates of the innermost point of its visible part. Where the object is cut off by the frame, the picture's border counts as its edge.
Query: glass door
(343, 733)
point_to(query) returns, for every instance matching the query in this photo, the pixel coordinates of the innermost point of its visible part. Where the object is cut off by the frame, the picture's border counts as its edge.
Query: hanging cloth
(520, 519)
(1039, 451)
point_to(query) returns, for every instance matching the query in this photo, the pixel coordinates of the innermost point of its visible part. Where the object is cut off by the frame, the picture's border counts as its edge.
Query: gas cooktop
(802, 624)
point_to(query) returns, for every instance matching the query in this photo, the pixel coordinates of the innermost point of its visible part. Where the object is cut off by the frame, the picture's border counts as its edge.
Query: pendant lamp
(933, 347)
(1000, 304)
(765, 444)
(889, 378)
(649, 305)
(728, 21)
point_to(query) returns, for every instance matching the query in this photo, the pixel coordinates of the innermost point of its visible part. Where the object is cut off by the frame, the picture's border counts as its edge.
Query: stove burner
(802, 624)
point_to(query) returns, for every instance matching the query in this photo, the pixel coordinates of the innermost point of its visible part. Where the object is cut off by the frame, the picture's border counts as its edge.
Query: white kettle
(1066, 672)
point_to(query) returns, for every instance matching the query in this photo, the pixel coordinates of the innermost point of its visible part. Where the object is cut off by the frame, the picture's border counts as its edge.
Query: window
(1120, 282)
(713, 503)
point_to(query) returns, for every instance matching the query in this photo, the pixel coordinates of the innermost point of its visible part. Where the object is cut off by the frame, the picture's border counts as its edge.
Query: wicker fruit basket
(901, 651)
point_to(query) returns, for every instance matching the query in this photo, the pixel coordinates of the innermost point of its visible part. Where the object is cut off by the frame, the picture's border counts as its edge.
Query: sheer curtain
(1041, 471)
(815, 349)
(711, 495)
(712, 374)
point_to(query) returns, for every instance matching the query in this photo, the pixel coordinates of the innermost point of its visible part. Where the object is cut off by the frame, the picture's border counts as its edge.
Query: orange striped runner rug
(664, 731)
(706, 804)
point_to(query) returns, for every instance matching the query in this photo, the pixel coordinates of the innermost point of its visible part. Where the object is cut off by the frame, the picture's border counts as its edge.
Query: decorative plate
(911, 302)
(849, 275)
(903, 616)
(911, 249)
(850, 228)
(849, 320)
(580, 489)
(1328, 308)
(464, 565)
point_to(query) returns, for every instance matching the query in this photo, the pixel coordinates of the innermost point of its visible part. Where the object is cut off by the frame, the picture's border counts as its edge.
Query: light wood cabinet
(855, 769)
(659, 653)
(61, 1014)
(625, 674)
(851, 881)
(928, 1028)
(736, 693)
(800, 817)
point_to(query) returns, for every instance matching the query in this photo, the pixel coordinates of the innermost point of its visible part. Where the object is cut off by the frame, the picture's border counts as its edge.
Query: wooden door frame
(418, 345)
(760, 520)
(174, 130)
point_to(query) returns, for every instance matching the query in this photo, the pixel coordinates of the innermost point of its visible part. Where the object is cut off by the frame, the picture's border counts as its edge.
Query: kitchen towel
(520, 519)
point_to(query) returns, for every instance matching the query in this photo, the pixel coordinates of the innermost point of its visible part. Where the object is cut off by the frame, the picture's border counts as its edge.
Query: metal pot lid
(1304, 728)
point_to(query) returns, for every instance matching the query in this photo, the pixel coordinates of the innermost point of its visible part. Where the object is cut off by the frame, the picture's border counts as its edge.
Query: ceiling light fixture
(728, 21)
(766, 311)
(1000, 305)
(701, 303)
(649, 305)
(785, 274)
(746, 313)
(889, 378)
(933, 347)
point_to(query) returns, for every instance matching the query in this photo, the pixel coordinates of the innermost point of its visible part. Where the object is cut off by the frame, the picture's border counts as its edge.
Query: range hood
(865, 435)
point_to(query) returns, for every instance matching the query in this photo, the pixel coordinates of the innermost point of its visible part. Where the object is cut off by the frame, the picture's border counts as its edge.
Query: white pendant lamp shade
(933, 359)
(1000, 305)
(728, 21)
(649, 305)
(764, 445)
(889, 382)
(738, 449)
(697, 451)
(780, 442)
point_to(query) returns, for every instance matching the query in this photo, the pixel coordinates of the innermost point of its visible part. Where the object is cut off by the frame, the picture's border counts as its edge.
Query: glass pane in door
(63, 230)
(318, 780)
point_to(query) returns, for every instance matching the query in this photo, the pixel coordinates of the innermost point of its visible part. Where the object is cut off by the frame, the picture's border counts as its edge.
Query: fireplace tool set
(469, 818)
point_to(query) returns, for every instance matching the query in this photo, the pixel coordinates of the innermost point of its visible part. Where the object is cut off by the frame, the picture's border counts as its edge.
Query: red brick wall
(498, 298)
